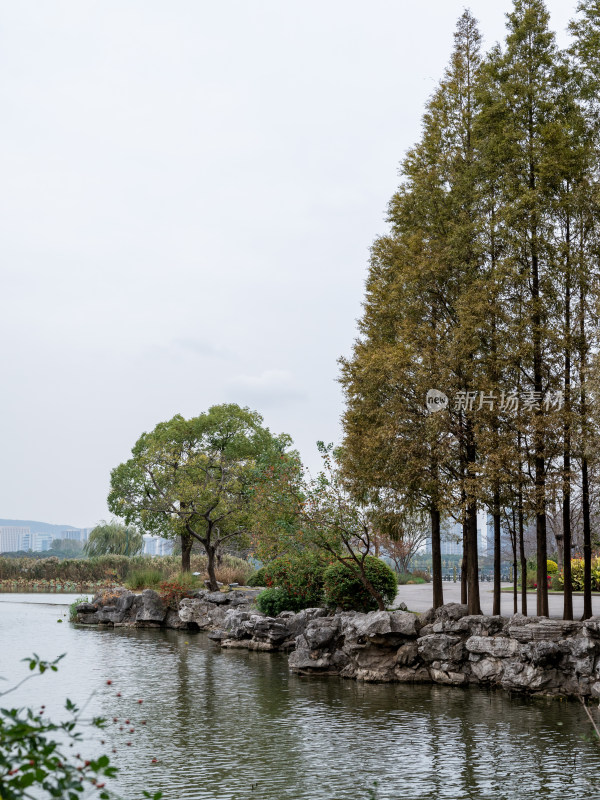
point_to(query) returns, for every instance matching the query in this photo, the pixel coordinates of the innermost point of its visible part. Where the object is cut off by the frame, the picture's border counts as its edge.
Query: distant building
(43, 542)
(13, 539)
(157, 546)
(452, 544)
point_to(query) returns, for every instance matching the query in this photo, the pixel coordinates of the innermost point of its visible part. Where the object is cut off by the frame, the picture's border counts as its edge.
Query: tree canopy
(485, 290)
(197, 478)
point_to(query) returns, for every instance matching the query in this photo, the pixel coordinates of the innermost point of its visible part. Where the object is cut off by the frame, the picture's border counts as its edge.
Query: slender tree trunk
(538, 386)
(585, 485)
(497, 553)
(210, 567)
(560, 548)
(522, 557)
(473, 603)
(542, 565)
(566, 523)
(566, 504)
(515, 566)
(464, 591)
(186, 552)
(587, 540)
(436, 559)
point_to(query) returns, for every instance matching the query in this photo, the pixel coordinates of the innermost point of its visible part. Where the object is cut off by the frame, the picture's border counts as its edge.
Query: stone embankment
(524, 654)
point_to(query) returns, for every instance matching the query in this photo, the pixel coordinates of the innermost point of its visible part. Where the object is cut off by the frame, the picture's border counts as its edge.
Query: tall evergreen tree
(521, 110)
(431, 267)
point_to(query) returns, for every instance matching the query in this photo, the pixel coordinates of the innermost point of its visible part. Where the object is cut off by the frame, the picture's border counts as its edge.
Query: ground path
(418, 598)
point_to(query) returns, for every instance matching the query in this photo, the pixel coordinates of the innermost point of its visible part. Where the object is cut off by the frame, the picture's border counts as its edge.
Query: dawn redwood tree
(522, 109)
(585, 51)
(394, 451)
(419, 328)
(197, 478)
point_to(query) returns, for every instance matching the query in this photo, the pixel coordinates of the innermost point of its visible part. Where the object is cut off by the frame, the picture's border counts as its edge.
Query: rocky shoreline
(535, 655)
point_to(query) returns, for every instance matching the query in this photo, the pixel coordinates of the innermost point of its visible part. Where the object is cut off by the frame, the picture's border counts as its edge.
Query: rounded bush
(552, 567)
(301, 576)
(275, 600)
(344, 588)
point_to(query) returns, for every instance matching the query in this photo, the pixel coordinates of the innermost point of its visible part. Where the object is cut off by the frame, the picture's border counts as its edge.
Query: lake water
(233, 725)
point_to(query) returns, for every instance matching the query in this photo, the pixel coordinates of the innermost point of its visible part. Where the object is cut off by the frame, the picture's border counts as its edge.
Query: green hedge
(344, 588)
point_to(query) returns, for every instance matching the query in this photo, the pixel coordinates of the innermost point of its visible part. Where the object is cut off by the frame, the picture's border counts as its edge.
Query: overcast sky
(188, 195)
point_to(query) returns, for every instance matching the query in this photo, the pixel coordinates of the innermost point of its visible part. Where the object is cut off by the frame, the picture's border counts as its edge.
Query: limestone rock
(549, 630)
(451, 611)
(152, 608)
(497, 646)
(440, 647)
(407, 654)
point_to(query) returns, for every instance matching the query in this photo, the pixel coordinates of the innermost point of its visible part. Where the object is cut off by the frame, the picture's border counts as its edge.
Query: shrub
(421, 576)
(577, 575)
(275, 600)
(531, 579)
(344, 588)
(258, 579)
(556, 582)
(552, 567)
(300, 576)
(173, 591)
(405, 578)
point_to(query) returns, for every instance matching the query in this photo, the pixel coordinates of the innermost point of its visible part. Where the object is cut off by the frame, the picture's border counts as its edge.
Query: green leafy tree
(331, 521)
(197, 478)
(114, 538)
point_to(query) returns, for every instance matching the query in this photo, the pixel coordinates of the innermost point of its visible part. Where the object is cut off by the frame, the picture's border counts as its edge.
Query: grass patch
(73, 608)
(145, 579)
(78, 574)
(407, 578)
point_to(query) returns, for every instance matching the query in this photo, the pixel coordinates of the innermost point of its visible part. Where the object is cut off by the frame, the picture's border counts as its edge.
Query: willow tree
(114, 538)
(196, 478)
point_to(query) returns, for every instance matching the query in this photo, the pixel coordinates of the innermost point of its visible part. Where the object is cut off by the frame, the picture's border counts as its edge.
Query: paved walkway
(418, 598)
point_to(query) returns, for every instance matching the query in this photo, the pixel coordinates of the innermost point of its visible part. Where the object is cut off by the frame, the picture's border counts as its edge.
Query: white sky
(188, 194)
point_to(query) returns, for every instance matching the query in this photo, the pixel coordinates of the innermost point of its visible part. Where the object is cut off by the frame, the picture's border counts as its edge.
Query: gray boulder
(152, 609)
(440, 647)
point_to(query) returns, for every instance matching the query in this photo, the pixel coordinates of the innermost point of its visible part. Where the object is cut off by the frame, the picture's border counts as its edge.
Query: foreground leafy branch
(34, 762)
